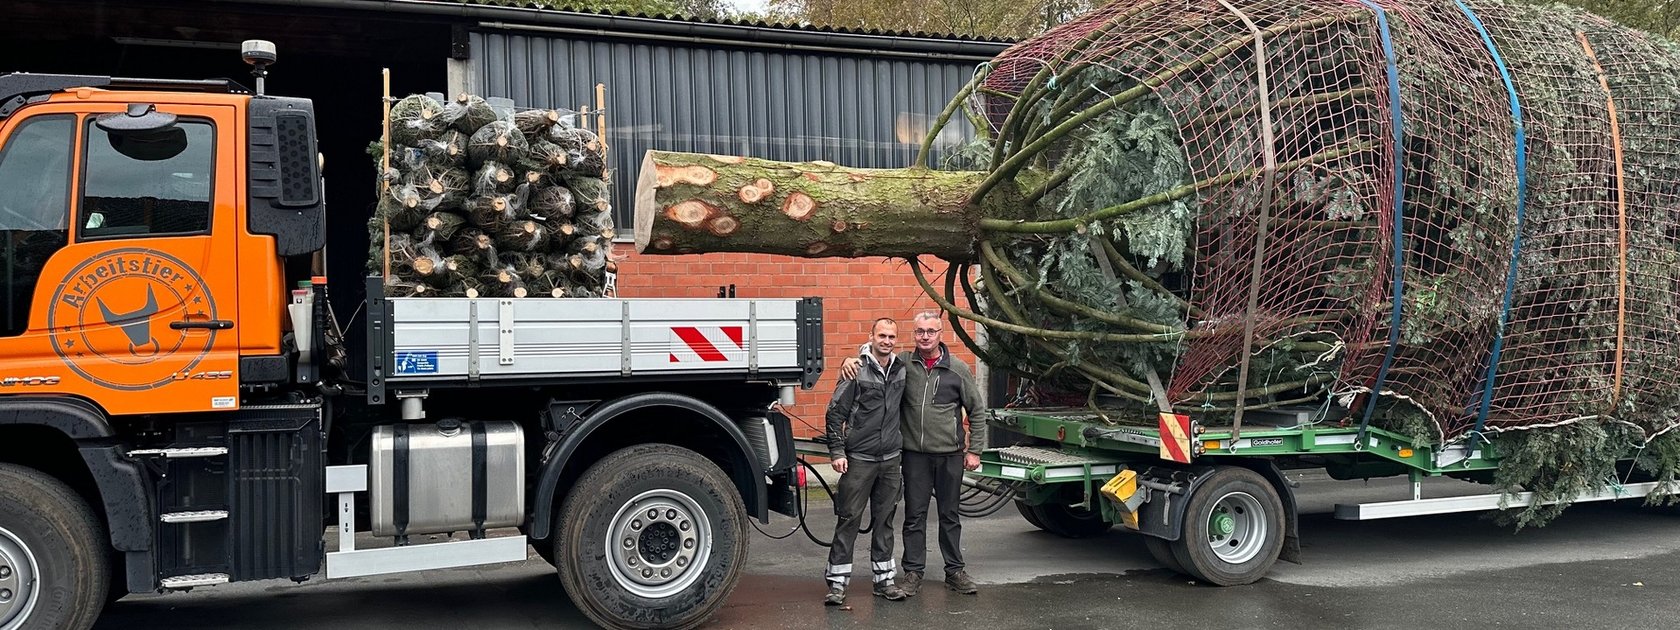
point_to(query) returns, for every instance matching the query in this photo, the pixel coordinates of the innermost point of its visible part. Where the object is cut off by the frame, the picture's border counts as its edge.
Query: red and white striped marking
(1175, 438)
(707, 344)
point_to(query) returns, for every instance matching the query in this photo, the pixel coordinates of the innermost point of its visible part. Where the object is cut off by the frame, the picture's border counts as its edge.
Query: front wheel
(53, 554)
(652, 536)
(1233, 528)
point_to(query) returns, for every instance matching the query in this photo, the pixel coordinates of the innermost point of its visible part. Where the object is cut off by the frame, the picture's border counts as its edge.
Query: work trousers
(876, 484)
(932, 476)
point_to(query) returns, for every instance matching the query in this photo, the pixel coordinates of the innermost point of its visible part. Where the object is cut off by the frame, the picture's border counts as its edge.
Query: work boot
(836, 596)
(890, 591)
(910, 583)
(961, 583)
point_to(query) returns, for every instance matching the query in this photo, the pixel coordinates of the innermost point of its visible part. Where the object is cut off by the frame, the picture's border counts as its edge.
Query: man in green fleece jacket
(940, 399)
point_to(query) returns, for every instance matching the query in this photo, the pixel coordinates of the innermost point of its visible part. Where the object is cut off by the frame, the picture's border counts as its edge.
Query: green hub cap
(1222, 524)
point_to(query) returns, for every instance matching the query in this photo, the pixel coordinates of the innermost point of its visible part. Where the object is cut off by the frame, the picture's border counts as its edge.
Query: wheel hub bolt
(653, 514)
(688, 544)
(664, 573)
(683, 526)
(5, 572)
(636, 524)
(671, 515)
(647, 573)
(5, 595)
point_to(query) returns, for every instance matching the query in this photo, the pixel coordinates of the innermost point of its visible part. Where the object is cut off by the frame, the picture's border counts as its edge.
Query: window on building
(34, 208)
(154, 184)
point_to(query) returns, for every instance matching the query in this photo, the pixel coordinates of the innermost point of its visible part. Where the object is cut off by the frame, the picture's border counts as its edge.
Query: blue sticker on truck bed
(417, 362)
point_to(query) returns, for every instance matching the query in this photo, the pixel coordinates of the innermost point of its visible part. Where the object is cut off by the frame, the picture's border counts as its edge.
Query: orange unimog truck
(177, 409)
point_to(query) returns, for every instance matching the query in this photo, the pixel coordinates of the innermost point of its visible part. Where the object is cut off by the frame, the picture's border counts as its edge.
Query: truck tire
(53, 555)
(1069, 521)
(651, 536)
(1233, 528)
(544, 549)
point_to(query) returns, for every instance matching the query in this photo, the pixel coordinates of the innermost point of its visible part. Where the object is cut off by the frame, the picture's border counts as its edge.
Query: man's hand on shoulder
(849, 368)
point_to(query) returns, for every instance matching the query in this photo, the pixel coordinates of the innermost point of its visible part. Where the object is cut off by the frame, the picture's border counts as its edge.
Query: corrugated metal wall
(792, 106)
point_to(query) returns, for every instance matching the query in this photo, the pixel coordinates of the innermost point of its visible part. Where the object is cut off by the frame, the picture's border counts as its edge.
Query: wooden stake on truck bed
(385, 165)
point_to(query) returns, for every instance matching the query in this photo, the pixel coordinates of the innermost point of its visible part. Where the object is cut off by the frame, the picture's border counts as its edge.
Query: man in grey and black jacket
(940, 400)
(864, 442)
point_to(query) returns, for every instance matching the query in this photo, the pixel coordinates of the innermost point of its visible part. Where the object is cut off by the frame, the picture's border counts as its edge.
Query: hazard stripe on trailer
(1175, 437)
(707, 344)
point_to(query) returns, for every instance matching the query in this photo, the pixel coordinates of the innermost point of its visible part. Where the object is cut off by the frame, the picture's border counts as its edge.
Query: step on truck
(178, 407)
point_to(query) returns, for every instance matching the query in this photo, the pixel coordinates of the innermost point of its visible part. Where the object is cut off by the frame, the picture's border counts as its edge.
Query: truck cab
(177, 409)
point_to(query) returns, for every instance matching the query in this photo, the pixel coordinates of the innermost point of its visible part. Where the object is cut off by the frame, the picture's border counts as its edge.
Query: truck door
(139, 307)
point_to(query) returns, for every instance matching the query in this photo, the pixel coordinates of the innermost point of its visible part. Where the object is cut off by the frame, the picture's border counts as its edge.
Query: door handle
(208, 324)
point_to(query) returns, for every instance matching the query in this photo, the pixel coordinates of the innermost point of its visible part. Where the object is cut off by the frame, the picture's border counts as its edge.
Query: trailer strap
(1621, 221)
(1521, 151)
(1398, 123)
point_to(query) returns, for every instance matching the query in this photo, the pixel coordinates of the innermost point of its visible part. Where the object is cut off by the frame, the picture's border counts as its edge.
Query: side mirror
(140, 118)
(143, 133)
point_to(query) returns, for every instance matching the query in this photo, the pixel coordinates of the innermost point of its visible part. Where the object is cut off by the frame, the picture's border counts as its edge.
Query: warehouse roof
(572, 6)
(516, 14)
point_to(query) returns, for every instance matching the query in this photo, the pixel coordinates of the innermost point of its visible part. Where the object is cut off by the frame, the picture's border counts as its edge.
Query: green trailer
(1212, 502)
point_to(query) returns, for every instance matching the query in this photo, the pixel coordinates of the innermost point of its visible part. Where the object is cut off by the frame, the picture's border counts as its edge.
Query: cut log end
(519, 292)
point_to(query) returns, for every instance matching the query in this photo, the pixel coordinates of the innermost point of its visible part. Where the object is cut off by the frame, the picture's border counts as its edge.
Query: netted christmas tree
(1453, 220)
(484, 200)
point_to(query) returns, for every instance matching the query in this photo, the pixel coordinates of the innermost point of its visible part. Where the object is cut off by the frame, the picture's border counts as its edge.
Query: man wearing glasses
(940, 396)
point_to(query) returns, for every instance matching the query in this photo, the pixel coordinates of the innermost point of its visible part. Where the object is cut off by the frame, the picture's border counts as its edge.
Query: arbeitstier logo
(109, 320)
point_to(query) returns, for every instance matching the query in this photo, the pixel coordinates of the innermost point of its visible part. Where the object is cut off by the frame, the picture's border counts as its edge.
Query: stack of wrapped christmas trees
(480, 200)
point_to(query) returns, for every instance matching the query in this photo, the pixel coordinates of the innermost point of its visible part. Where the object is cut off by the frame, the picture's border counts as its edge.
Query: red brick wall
(854, 292)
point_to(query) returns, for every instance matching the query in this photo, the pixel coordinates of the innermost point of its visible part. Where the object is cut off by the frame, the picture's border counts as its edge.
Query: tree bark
(694, 203)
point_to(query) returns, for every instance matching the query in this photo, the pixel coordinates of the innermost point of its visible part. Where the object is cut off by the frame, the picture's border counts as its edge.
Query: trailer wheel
(1233, 528)
(652, 536)
(1061, 517)
(52, 554)
(1028, 513)
(1161, 551)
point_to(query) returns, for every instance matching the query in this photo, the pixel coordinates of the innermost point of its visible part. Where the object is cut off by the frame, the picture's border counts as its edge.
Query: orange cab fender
(122, 484)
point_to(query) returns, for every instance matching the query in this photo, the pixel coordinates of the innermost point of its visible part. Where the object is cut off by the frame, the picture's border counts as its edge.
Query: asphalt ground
(1599, 566)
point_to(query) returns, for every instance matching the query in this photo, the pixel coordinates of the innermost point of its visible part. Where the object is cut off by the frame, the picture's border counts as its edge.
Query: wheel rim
(1237, 528)
(658, 543)
(19, 583)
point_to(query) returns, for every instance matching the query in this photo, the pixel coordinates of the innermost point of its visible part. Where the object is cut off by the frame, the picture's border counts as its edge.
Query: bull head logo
(137, 324)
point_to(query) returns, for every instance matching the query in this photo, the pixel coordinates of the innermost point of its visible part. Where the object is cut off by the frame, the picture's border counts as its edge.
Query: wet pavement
(1600, 566)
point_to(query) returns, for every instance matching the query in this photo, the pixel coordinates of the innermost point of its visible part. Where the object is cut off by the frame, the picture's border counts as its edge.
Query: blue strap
(1516, 238)
(1399, 124)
